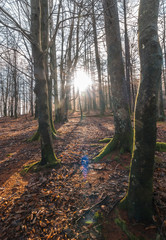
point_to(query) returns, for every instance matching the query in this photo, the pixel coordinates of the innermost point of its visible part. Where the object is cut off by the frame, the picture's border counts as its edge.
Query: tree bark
(123, 130)
(31, 93)
(98, 63)
(39, 49)
(61, 109)
(139, 197)
(164, 44)
(127, 55)
(15, 85)
(160, 107)
(53, 60)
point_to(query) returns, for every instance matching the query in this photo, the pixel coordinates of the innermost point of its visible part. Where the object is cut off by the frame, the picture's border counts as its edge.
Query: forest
(82, 119)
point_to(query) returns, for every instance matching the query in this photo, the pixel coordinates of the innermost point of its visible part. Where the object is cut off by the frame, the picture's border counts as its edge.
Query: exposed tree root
(54, 135)
(160, 146)
(121, 143)
(105, 140)
(116, 143)
(28, 168)
(37, 166)
(106, 150)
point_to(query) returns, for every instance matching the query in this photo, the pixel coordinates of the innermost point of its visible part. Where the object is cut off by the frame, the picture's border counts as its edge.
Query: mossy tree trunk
(123, 130)
(39, 50)
(140, 193)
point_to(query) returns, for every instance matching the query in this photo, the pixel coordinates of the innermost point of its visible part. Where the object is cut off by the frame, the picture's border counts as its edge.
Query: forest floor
(71, 202)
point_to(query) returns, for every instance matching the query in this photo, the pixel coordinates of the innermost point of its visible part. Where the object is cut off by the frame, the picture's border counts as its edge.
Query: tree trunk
(127, 55)
(98, 64)
(12, 99)
(139, 197)
(93, 80)
(53, 58)
(53, 62)
(38, 26)
(62, 76)
(2, 94)
(15, 85)
(123, 130)
(160, 107)
(164, 44)
(44, 41)
(109, 92)
(31, 93)
(81, 112)
(74, 99)
(132, 90)
(6, 94)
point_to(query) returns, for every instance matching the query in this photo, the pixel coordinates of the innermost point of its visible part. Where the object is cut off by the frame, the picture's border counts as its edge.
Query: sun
(82, 80)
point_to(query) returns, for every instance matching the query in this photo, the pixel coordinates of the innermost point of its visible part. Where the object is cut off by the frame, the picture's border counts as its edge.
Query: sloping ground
(68, 203)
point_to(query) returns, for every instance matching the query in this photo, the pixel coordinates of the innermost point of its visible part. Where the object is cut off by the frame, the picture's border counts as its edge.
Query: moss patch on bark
(35, 137)
(105, 140)
(121, 143)
(161, 146)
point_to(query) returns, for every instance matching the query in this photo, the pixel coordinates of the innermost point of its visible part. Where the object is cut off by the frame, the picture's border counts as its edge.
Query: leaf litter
(66, 203)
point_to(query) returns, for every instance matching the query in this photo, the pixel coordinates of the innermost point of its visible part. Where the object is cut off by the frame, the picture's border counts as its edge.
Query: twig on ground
(95, 205)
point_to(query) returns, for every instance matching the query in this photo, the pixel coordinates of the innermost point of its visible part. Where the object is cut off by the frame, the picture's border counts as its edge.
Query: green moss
(28, 168)
(122, 143)
(48, 156)
(54, 136)
(106, 150)
(122, 224)
(35, 137)
(50, 165)
(105, 140)
(35, 167)
(161, 146)
(53, 130)
(98, 216)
